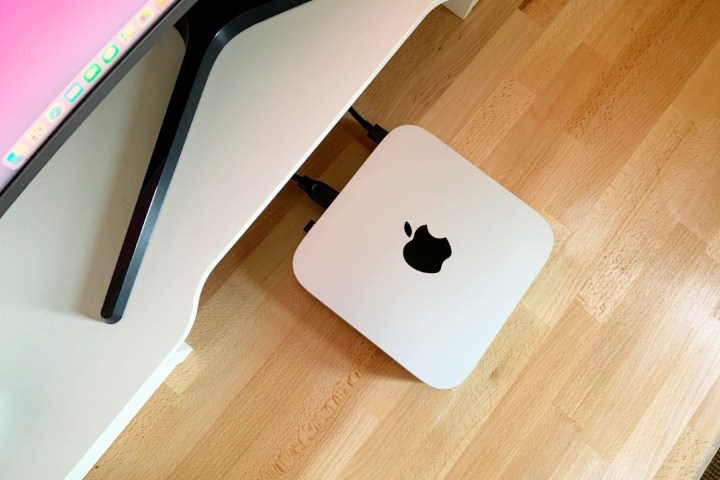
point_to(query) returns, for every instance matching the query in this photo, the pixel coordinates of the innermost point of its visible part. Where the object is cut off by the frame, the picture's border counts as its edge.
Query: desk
(70, 383)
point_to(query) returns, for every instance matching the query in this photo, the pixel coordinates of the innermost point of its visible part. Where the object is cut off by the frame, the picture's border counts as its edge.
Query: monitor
(58, 59)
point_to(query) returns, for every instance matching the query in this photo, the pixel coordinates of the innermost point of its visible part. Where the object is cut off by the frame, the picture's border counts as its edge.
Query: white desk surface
(70, 383)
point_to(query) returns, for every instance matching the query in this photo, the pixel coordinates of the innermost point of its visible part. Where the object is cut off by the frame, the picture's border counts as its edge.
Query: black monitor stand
(206, 29)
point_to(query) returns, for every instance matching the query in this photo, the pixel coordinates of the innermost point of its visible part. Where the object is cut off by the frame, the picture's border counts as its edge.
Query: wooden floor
(604, 116)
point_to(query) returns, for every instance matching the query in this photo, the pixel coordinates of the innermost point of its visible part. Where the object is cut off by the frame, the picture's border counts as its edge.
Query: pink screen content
(52, 53)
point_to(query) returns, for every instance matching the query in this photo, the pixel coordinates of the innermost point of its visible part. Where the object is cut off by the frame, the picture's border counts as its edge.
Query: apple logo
(424, 252)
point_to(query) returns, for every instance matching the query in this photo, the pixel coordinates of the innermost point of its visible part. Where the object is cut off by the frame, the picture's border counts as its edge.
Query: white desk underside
(69, 384)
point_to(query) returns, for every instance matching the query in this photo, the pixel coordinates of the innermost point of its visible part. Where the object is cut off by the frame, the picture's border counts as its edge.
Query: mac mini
(425, 255)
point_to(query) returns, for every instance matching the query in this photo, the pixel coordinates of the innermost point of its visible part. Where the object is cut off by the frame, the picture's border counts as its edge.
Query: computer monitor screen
(52, 55)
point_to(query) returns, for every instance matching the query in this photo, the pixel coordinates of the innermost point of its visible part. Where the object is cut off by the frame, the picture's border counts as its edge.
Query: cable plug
(375, 132)
(320, 192)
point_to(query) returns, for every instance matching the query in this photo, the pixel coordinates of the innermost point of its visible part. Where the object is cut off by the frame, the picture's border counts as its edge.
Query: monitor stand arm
(206, 29)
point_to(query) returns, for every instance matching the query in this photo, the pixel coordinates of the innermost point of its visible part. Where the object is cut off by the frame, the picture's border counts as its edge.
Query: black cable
(364, 123)
(320, 192)
(375, 132)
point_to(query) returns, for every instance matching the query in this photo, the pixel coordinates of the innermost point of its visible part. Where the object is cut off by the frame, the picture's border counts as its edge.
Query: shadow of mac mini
(425, 255)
